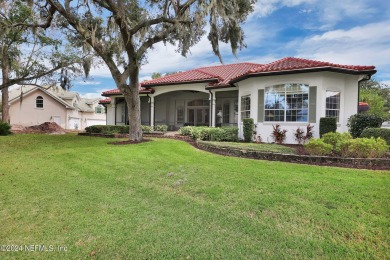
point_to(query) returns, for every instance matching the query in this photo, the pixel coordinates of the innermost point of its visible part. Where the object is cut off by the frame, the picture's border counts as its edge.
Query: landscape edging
(381, 163)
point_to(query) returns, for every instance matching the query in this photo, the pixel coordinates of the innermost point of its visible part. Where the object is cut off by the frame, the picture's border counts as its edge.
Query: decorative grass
(167, 200)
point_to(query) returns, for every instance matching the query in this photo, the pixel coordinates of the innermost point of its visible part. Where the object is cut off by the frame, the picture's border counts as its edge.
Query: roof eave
(180, 83)
(317, 69)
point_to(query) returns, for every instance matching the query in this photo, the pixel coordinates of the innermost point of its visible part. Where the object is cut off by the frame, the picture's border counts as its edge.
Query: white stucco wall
(25, 113)
(346, 84)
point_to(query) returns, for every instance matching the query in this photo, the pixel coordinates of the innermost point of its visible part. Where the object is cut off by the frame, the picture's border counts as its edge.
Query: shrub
(147, 129)
(377, 132)
(219, 134)
(365, 148)
(299, 136)
(186, 130)
(357, 123)
(161, 128)
(248, 126)
(5, 128)
(279, 135)
(338, 141)
(318, 147)
(112, 129)
(327, 124)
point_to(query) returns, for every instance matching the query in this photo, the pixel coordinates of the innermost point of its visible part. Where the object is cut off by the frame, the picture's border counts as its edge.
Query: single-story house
(33, 105)
(291, 92)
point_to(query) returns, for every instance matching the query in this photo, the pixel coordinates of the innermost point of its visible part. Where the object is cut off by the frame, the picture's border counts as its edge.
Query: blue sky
(355, 32)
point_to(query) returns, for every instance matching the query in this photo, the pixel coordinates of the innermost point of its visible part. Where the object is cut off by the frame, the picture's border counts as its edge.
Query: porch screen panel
(260, 106)
(312, 104)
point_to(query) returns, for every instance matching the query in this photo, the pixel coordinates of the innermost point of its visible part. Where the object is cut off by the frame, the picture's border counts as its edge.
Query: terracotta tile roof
(117, 91)
(218, 75)
(290, 63)
(226, 75)
(105, 101)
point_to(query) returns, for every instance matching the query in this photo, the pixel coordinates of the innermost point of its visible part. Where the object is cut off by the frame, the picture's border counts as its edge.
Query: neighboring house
(291, 92)
(32, 105)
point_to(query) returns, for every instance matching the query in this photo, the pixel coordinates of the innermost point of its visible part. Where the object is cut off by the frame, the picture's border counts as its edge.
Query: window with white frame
(332, 104)
(39, 102)
(99, 109)
(245, 107)
(287, 103)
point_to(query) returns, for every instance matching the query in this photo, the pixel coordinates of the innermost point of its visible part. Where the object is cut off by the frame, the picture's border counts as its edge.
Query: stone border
(360, 163)
(373, 163)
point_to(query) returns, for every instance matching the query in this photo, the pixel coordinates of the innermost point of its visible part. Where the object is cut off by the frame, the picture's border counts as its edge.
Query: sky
(353, 32)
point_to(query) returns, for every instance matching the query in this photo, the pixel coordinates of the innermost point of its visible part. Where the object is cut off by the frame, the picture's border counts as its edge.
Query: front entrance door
(198, 116)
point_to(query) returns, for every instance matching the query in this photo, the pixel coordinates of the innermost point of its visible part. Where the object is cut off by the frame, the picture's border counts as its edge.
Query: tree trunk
(5, 74)
(131, 95)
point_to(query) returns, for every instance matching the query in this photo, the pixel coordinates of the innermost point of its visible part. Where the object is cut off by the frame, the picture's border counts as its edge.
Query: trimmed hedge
(219, 134)
(357, 123)
(111, 129)
(248, 126)
(5, 128)
(342, 145)
(377, 132)
(327, 125)
(161, 128)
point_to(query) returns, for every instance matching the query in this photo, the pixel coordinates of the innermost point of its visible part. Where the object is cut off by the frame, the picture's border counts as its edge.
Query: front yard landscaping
(165, 199)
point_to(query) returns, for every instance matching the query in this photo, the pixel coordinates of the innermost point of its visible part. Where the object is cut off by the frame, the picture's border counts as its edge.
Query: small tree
(358, 122)
(121, 32)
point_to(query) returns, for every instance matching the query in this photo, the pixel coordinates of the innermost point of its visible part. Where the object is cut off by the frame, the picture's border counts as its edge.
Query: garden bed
(363, 163)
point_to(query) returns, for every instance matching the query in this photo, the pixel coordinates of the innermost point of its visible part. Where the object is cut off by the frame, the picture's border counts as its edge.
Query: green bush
(318, 147)
(377, 132)
(5, 128)
(248, 126)
(220, 134)
(327, 125)
(161, 128)
(113, 129)
(357, 123)
(146, 129)
(186, 130)
(365, 148)
(337, 140)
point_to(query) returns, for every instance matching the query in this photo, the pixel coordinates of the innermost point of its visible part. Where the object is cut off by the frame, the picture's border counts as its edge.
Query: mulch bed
(130, 142)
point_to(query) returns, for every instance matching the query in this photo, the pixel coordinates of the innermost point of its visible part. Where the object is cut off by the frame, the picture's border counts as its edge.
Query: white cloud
(329, 12)
(91, 95)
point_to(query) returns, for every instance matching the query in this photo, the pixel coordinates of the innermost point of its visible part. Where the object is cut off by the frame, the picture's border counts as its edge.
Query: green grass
(273, 148)
(166, 200)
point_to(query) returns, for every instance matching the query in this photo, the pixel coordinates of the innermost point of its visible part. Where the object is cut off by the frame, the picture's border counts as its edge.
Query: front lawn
(166, 200)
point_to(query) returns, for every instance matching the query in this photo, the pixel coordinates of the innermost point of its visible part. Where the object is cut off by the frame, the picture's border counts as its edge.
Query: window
(198, 103)
(39, 102)
(226, 112)
(287, 103)
(179, 115)
(245, 107)
(99, 109)
(332, 104)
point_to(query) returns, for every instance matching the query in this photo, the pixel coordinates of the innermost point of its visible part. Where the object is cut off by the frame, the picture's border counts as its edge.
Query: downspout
(211, 108)
(366, 78)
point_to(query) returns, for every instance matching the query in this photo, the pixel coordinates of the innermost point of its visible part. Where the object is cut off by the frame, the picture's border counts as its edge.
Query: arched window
(39, 102)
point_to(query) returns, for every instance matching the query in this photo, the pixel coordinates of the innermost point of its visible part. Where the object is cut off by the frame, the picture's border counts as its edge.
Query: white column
(213, 111)
(151, 111)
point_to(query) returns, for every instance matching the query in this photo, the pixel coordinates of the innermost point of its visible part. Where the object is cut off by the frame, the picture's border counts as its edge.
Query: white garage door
(95, 122)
